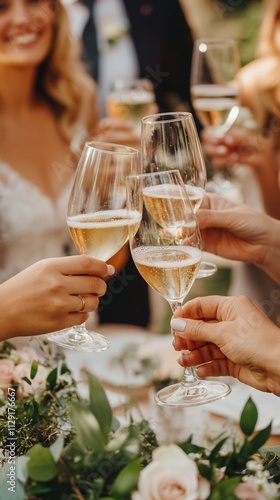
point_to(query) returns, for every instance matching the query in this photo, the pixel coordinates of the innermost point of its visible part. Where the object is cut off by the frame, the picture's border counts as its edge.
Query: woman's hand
(254, 149)
(239, 232)
(240, 145)
(233, 337)
(117, 132)
(46, 296)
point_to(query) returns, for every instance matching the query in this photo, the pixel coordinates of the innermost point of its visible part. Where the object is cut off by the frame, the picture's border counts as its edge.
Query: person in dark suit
(161, 41)
(163, 45)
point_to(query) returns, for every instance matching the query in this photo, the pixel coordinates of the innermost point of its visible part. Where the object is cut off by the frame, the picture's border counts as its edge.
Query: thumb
(213, 218)
(195, 330)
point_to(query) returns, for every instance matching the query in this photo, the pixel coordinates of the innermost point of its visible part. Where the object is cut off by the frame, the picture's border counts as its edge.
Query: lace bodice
(32, 226)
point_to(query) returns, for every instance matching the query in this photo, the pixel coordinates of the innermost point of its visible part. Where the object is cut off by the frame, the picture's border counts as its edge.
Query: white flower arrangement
(92, 457)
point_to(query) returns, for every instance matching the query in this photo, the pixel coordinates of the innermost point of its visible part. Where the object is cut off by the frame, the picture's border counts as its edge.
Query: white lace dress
(32, 226)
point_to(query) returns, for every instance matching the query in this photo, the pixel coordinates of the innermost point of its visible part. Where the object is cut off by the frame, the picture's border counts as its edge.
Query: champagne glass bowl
(170, 141)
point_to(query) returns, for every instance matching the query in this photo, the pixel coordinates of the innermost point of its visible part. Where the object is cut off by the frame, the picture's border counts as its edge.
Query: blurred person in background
(252, 146)
(126, 40)
(47, 102)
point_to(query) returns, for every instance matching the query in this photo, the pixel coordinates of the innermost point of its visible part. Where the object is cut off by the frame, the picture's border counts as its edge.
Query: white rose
(27, 355)
(7, 367)
(171, 475)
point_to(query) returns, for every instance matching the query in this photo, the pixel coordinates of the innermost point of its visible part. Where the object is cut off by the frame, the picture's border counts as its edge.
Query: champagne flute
(166, 249)
(98, 220)
(215, 92)
(170, 141)
(131, 100)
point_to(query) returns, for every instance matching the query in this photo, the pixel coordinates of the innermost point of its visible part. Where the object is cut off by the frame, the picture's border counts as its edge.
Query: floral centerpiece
(55, 446)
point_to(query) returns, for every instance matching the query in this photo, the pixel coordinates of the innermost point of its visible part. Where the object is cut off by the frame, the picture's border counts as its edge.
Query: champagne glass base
(79, 339)
(200, 393)
(206, 269)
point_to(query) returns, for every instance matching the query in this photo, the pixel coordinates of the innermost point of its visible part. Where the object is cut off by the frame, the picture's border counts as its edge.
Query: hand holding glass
(98, 220)
(215, 91)
(131, 100)
(166, 249)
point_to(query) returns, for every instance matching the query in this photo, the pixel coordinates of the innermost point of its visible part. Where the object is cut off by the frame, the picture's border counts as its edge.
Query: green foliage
(102, 463)
(100, 460)
(42, 416)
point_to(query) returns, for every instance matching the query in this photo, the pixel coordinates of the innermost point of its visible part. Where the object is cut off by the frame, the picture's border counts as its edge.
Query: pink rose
(39, 382)
(172, 475)
(7, 367)
(248, 491)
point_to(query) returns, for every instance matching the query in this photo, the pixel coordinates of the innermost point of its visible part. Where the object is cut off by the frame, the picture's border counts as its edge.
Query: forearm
(9, 323)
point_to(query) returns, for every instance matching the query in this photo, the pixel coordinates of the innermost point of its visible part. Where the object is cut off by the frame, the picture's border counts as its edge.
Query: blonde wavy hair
(62, 76)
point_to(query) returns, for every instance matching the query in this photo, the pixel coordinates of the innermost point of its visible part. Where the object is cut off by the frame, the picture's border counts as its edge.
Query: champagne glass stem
(78, 332)
(190, 378)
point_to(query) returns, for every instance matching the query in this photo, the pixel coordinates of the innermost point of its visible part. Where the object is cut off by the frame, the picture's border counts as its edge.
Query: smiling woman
(46, 97)
(33, 43)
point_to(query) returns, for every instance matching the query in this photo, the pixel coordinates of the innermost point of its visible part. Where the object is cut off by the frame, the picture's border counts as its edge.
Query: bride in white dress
(44, 96)
(46, 100)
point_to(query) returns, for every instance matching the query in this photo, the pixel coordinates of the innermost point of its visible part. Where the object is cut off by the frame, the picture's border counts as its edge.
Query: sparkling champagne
(102, 234)
(166, 205)
(130, 104)
(213, 103)
(195, 195)
(170, 270)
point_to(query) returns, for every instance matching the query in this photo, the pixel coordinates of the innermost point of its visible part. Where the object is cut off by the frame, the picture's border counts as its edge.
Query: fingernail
(178, 324)
(111, 269)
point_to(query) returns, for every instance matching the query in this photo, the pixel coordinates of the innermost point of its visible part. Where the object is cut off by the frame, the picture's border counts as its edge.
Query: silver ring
(83, 303)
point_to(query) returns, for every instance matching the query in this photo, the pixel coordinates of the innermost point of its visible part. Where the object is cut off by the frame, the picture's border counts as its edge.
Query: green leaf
(41, 466)
(38, 489)
(214, 453)
(115, 424)
(34, 369)
(260, 439)
(225, 489)
(87, 427)
(99, 405)
(127, 480)
(27, 380)
(64, 369)
(249, 417)
(52, 378)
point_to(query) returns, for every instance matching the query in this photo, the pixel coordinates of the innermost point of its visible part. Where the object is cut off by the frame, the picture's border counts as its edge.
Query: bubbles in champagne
(170, 270)
(102, 234)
